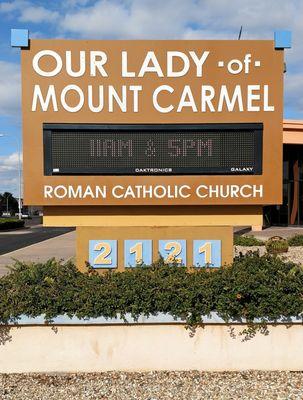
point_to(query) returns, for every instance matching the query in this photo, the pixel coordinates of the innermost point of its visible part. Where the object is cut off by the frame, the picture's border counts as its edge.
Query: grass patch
(296, 240)
(247, 241)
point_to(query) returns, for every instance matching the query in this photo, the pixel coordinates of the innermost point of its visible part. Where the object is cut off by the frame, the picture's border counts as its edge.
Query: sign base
(121, 247)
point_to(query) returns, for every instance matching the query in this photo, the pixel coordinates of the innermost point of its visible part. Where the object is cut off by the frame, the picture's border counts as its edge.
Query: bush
(10, 223)
(252, 287)
(276, 245)
(296, 240)
(247, 241)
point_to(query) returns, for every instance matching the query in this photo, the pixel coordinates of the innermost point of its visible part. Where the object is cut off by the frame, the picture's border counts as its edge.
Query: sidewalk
(61, 247)
(283, 231)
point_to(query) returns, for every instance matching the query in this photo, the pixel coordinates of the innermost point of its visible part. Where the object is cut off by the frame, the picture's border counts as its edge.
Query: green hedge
(296, 240)
(11, 223)
(247, 241)
(252, 287)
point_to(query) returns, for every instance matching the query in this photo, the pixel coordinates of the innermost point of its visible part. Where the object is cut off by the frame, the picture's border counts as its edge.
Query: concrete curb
(159, 318)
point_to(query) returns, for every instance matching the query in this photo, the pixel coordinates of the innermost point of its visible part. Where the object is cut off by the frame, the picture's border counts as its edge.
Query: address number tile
(103, 253)
(173, 251)
(137, 252)
(207, 252)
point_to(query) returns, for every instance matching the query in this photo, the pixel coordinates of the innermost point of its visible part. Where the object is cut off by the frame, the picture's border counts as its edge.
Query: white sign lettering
(122, 192)
(165, 98)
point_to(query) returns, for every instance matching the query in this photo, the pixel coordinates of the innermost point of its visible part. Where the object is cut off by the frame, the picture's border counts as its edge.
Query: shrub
(247, 241)
(10, 223)
(296, 240)
(276, 245)
(252, 287)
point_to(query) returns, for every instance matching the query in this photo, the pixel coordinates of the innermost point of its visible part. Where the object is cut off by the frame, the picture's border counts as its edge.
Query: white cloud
(75, 3)
(10, 89)
(199, 34)
(9, 178)
(163, 19)
(9, 6)
(9, 162)
(257, 17)
(29, 12)
(38, 15)
(10, 184)
(178, 18)
(293, 91)
(136, 19)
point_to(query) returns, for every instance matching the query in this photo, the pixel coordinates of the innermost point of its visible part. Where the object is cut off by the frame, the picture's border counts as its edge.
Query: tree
(7, 199)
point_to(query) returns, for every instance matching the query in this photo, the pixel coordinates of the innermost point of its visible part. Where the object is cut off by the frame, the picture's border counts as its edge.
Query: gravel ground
(294, 254)
(154, 386)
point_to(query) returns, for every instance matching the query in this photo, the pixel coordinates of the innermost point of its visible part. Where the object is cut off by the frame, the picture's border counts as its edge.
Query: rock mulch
(294, 254)
(194, 385)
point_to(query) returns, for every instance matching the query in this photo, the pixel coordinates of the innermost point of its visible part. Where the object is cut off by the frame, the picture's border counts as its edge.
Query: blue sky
(138, 19)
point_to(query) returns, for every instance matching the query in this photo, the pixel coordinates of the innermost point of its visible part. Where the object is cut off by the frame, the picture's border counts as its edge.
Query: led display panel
(162, 149)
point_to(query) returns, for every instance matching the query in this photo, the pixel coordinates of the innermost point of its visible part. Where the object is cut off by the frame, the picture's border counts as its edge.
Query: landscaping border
(95, 346)
(160, 318)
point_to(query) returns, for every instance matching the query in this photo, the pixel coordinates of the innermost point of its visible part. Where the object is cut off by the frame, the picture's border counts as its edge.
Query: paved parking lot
(33, 232)
(62, 247)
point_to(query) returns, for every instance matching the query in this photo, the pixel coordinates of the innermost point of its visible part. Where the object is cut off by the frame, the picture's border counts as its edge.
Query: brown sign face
(152, 122)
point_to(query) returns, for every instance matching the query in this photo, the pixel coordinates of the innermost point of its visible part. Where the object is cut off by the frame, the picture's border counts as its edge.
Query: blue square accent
(19, 37)
(137, 246)
(212, 258)
(282, 39)
(174, 249)
(103, 253)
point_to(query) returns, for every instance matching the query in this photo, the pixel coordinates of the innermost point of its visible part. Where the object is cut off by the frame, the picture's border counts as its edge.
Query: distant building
(291, 211)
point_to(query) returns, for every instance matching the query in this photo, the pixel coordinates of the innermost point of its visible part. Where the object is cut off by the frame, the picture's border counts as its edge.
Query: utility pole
(7, 197)
(19, 172)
